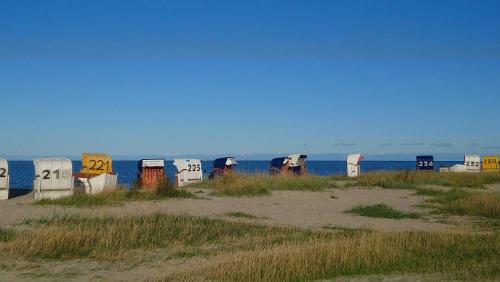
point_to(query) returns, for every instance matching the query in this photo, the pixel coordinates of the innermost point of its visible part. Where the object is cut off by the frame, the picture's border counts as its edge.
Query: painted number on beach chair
(3, 172)
(472, 164)
(46, 174)
(99, 165)
(425, 164)
(194, 167)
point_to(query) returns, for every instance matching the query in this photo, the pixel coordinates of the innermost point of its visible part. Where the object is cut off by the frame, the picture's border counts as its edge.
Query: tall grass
(251, 252)
(119, 196)
(243, 184)
(361, 253)
(413, 179)
(459, 202)
(75, 237)
(475, 204)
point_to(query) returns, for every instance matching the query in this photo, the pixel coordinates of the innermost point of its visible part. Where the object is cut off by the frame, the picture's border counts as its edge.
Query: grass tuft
(242, 184)
(381, 211)
(241, 215)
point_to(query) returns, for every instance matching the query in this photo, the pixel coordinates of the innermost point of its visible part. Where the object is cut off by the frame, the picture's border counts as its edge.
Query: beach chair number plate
(425, 164)
(98, 165)
(472, 164)
(3, 172)
(194, 167)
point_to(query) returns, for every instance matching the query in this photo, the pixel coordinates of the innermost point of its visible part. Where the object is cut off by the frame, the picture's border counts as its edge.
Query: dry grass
(251, 252)
(475, 204)
(243, 184)
(64, 237)
(465, 255)
(413, 179)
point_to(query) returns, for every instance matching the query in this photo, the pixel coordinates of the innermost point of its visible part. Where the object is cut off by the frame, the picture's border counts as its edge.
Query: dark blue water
(22, 172)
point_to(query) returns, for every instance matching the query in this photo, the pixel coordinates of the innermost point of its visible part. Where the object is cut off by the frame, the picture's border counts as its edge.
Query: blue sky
(135, 78)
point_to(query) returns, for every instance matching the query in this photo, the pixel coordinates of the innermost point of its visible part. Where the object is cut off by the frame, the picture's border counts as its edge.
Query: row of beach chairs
(54, 177)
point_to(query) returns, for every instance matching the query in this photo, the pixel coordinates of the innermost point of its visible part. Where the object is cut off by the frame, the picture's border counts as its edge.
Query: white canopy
(354, 159)
(4, 163)
(296, 159)
(63, 164)
(186, 164)
(231, 161)
(153, 163)
(53, 178)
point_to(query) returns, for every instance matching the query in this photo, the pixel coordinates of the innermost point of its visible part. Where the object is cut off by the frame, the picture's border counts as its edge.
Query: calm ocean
(22, 172)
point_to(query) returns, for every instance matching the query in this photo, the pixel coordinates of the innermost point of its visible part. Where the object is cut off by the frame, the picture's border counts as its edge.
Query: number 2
(3, 171)
(47, 173)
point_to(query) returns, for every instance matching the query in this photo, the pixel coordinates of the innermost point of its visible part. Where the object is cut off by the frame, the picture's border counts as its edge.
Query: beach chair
(353, 167)
(425, 163)
(53, 178)
(188, 171)
(150, 173)
(222, 166)
(4, 179)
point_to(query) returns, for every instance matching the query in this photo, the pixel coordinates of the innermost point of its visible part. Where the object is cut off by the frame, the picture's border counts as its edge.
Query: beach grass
(118, 196)
(257, 184)
(381, 211)
(414, 179)
(474, 204)
(460, 202)
(251, 252)
(467, 256)
(110, 237)
(246, 184)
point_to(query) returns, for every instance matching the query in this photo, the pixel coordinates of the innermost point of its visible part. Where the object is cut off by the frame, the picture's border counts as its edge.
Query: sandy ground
(286, 208)
(314, 210)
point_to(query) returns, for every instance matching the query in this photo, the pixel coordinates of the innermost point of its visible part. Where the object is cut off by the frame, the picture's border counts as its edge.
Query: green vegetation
(413, 179)
(6, 235)
(241, 215)
(241, 184)
(381, 211)
(118, 196)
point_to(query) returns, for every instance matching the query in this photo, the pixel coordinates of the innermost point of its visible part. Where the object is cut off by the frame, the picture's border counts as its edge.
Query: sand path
(287, 208)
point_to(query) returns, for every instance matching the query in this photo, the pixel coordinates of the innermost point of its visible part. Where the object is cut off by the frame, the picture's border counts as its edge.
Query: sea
(22, 172)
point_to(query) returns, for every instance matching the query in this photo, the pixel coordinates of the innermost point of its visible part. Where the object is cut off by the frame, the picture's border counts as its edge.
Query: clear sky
(245, 77)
